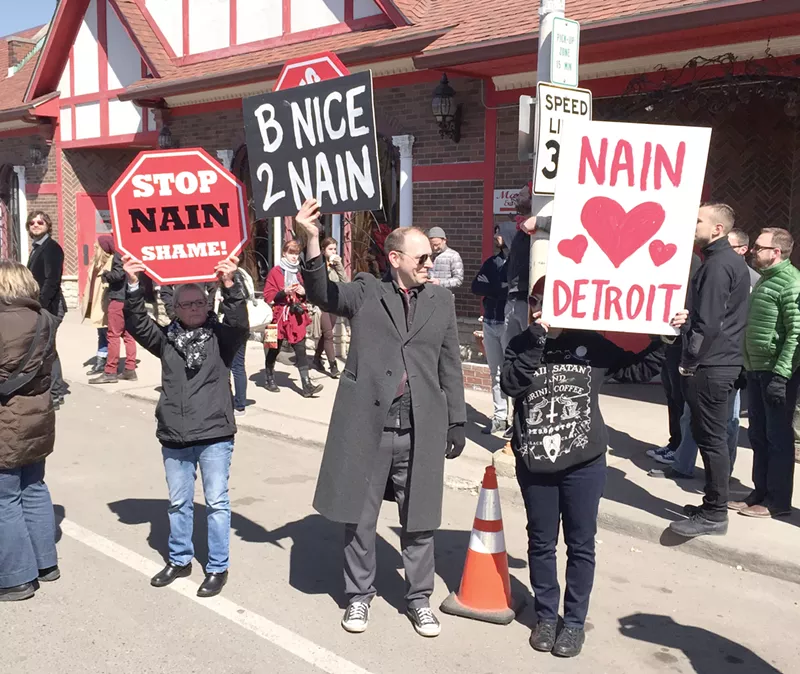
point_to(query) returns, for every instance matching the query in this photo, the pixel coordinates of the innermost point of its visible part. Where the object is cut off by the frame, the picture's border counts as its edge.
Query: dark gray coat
(379, 347)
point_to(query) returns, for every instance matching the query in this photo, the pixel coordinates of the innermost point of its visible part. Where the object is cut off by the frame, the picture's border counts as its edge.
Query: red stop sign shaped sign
(180, 213)
(309, 69)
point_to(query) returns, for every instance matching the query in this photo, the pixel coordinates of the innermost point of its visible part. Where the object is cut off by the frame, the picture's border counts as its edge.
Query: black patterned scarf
(191, 344)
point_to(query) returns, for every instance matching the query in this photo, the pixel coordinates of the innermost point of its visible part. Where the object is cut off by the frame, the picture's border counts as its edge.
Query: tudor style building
(107, 78)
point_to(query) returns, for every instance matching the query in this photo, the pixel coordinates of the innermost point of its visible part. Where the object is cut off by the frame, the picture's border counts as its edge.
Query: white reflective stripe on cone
(487, 542)
(489, 505)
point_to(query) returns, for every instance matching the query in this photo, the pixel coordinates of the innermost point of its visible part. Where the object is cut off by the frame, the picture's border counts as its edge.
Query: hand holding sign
(132, 268)
(226, 269)
(307, 218)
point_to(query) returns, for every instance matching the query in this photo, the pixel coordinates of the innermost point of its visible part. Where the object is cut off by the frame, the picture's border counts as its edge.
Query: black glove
(741, 381)
(456, 441)
(775, 393)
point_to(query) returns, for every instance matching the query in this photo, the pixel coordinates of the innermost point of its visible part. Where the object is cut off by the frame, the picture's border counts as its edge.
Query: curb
(609, 518)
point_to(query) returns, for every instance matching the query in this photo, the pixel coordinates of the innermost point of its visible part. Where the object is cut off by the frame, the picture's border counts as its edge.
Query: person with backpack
(27, 436)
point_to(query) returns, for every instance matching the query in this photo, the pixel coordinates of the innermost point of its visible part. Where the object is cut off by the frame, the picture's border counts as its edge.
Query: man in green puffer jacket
(772, 357)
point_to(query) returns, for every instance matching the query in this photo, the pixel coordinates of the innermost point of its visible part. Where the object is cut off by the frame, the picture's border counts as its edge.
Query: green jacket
(773, 324)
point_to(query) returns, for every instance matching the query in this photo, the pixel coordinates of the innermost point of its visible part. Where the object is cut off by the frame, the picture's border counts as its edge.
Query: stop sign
(309, 69)
(180, 213)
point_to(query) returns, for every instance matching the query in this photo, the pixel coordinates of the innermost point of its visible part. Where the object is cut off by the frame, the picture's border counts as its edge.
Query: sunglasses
(196, 304)
(757, 249)
(39, 222)
(421, 260)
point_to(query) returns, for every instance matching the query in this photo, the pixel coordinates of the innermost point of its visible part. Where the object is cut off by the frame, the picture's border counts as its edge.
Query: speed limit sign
(554, 104)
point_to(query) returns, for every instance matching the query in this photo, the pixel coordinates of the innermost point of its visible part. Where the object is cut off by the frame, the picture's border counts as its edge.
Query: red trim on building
(474, 170)
(13, 133)
(185, 27)
(390, 9)
(146, 139)
(283, 40)
(60, 173)
(102, 63)
(286, 17)
(489, 161)
(71, 90)
(35, 189)
(232, 20)
(91, 98)
(348, 11)
(154, 27)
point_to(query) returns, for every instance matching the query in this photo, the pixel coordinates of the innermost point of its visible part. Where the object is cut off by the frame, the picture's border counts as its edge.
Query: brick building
(106, 78)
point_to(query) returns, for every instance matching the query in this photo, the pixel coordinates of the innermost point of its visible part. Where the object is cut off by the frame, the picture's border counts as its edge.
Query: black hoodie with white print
(555, 383)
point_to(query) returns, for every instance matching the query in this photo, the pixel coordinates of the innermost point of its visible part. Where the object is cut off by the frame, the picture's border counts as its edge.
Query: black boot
(98, 367)
(317, 364)
(269, 380)
(309, 389)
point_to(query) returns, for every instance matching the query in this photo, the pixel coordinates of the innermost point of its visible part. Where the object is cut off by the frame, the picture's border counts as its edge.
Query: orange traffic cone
(485, 592)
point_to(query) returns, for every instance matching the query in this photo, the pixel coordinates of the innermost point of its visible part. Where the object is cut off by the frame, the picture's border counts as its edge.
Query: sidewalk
(634, 504)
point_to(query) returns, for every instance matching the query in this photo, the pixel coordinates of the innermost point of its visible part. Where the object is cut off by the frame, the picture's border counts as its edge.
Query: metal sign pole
(542, 205)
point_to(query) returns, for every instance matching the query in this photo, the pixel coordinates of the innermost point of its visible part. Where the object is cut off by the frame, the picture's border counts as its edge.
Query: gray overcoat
(380, 350)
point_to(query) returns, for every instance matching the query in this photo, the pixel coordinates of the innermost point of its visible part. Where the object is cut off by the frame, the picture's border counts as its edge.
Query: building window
(10, 232)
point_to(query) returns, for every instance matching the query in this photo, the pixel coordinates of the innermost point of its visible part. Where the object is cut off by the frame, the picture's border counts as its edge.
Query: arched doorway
(10, 225)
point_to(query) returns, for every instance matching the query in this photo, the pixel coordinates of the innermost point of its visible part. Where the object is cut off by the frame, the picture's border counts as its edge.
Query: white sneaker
(425, 622)
(356, 617)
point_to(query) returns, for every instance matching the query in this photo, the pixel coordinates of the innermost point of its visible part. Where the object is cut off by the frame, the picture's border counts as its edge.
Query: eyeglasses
(421, 260)
(757, 249)
(196, 304)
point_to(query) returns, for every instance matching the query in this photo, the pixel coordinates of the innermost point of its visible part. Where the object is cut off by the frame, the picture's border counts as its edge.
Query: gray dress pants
(393, 461)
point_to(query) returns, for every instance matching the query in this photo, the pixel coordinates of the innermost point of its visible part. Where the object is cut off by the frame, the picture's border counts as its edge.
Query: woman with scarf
(195, 411)
(560, 441)
(94, 304)
(284, 290)
(327, 321)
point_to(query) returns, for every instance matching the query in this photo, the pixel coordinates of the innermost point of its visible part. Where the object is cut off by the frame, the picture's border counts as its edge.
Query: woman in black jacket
(195, 411)
(560, 441)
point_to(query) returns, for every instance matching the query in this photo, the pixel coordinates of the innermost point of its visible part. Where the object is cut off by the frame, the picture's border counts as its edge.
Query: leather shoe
(570, 642)
(18, 592)
(213, 584)
(543, 636)
(763, 512)
(49, 574)
(169, 573)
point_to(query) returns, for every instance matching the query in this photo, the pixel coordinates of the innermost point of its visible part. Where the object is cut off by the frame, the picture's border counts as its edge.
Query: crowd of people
(399, 411)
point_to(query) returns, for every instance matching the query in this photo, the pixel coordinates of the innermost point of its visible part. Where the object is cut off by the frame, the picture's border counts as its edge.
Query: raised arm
(234, 329)
(522, 358)
(141, 327)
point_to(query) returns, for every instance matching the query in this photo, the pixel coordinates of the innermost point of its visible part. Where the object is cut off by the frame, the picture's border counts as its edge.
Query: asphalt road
(654, 609)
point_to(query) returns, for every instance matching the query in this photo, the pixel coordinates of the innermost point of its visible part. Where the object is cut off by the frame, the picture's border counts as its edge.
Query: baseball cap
(436, 233)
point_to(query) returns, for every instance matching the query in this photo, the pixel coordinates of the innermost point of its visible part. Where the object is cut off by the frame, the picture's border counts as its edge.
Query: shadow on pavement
(60, 513)
(708, 652)
(282, 379)
(315, 565)
(476, 421)
(154, 512)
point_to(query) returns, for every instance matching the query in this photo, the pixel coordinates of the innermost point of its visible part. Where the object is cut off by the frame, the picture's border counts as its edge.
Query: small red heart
(661, 252)
(573, 248)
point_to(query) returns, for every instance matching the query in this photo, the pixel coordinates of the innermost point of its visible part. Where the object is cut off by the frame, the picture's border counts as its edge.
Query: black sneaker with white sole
(356, 617)
(425, 622)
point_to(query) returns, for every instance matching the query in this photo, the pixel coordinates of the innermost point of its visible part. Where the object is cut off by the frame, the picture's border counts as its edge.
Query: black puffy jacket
(194, 408)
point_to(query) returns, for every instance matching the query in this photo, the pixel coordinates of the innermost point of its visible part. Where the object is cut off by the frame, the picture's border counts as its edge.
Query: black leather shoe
(169, 573)
(49, 574)
(543, 636)
(18, 592)
(213, 584)
(570, 642)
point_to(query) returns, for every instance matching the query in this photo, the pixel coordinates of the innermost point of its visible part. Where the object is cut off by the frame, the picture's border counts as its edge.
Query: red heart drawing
(573, 248)
(620, 234)
(661, 252)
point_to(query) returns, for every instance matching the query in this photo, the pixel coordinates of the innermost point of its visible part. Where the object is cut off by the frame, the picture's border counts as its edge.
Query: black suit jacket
(46, 263)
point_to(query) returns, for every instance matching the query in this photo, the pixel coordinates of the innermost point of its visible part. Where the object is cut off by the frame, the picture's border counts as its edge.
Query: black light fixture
(35, 155)
(446, 111)
(165, 139)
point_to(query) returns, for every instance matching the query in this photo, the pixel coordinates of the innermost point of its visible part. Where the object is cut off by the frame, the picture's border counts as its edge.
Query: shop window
(10, 225)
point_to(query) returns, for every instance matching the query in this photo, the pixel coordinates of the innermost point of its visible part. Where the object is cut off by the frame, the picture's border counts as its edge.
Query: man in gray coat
(399, 412)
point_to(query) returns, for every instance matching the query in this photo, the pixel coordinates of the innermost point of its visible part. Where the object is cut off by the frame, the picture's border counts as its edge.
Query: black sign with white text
(316, 140)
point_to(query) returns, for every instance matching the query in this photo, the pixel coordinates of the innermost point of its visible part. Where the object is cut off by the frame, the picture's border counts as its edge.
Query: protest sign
(180, 213)
(318, 140)
(623, 225)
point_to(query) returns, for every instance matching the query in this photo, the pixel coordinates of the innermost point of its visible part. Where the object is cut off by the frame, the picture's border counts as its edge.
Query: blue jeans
(27, 525)
(686, 454)
(772, 439)
(239, 379)
(102, 342)
(181, 469)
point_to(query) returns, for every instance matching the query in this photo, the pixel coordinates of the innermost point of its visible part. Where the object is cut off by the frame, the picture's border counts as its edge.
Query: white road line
(281, 637)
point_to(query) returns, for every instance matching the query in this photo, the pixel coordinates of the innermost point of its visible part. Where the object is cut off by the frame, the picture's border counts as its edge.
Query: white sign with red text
(623, 225)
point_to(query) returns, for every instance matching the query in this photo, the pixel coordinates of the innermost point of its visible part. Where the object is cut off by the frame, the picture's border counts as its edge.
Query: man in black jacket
(492, 286)
(46, 263)
(712, 359)
(194, 412)
(115, 297)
